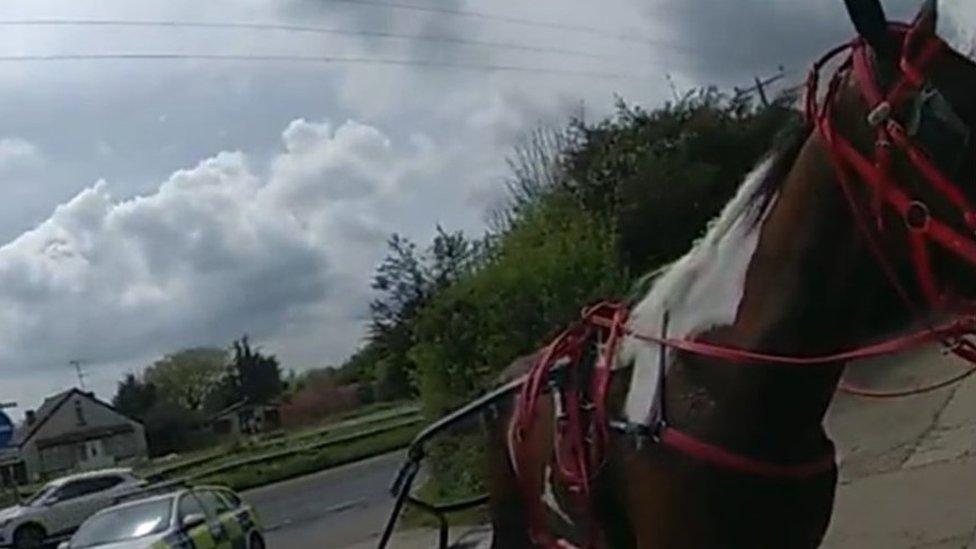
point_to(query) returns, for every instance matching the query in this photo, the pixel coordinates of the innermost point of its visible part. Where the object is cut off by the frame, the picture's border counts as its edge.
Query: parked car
(61, 506)
(191, 517)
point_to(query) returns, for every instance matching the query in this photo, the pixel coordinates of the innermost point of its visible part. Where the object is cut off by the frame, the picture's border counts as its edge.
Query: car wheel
(29, 536)
(256, 542)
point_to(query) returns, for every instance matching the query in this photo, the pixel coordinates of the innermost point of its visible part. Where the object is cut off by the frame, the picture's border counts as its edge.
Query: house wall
(80, 413)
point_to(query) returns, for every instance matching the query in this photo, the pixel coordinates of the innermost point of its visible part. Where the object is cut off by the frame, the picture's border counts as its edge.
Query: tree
(187, 377)
(406, 280)
(256, 377)
(134, 398)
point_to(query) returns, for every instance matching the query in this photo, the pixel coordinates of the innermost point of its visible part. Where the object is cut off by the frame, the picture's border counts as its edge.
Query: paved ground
(908, 466)
(332, 509)
(908, 476)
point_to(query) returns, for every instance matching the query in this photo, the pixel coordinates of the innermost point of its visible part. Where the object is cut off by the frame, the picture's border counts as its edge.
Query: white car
(60, 507)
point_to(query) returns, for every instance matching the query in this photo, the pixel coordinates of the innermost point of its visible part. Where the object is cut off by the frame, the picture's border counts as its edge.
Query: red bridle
(582, 426)
(919, 50)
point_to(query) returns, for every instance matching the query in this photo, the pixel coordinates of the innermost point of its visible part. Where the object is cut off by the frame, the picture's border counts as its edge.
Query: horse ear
(928, 17)
(872, 24)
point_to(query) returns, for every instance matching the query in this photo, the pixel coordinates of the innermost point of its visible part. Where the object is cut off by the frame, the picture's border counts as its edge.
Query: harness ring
(917, 217)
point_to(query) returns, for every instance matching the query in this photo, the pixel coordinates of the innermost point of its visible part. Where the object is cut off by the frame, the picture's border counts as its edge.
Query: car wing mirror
(193, 520)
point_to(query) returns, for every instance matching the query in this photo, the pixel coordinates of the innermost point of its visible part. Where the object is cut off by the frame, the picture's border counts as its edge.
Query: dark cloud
(736, 40)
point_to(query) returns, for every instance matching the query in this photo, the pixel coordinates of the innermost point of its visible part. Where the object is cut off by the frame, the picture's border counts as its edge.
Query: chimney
(31, 416)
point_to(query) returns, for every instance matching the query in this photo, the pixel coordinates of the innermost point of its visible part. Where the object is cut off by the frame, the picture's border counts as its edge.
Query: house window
(80, 414)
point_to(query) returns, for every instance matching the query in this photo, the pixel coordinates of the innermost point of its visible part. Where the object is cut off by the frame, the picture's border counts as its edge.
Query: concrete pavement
(908, 466)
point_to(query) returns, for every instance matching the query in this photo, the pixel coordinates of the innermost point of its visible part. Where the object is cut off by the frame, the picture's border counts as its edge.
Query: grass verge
(237, 450)
(259, 474)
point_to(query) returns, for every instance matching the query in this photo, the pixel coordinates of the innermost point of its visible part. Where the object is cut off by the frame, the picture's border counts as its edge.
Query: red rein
(582, 424)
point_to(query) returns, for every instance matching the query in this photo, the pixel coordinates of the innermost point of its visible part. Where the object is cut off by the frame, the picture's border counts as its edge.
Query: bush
(320, 397)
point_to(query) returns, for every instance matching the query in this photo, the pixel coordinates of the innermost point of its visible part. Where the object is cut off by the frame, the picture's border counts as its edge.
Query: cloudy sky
(149, 205)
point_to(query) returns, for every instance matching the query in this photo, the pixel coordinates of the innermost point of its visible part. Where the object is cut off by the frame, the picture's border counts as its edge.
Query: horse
(857, 228)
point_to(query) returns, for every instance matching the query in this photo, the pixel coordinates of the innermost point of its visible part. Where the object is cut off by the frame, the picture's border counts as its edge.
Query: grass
(376, 407)
(304, 463)
(362, 419)
(243, 452)
(457, 464)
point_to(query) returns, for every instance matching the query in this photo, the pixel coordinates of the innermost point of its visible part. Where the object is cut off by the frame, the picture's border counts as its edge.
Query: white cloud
(215, 251)
(16, 152)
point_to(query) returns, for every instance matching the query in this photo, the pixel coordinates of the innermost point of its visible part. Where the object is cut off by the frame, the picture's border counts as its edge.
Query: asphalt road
(337, 508)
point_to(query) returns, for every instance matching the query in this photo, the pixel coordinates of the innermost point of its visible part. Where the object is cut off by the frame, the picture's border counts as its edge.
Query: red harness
(582, 423)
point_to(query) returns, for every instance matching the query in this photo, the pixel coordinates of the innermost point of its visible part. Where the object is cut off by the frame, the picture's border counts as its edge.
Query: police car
(199, 518)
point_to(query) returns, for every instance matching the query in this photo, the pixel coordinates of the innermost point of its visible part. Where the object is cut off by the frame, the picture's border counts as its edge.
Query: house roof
(48, 408)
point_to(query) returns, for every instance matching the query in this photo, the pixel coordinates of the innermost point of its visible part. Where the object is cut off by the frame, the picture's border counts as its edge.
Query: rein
(582, 424)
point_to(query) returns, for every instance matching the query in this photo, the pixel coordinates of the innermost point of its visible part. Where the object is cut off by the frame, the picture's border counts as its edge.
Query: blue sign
(6, 429)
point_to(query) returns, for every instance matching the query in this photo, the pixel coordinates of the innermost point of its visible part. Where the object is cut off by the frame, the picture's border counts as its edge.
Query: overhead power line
(477, 67)
(310, 29)
(595, 31)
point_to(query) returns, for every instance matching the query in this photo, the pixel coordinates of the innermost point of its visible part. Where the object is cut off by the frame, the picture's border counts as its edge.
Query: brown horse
(785, 269)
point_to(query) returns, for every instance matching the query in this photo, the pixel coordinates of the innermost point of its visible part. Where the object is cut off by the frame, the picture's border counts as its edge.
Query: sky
(152, 205)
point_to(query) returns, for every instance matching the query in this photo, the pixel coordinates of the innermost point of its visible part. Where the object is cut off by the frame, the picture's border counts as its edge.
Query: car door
(226, 530)
(71, 504)
(202, 535)
(87, 497)
(58, 508)
(100, 493)
(243, 514)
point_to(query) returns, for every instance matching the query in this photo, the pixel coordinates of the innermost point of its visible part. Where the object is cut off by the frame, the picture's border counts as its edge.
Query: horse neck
(810, 288)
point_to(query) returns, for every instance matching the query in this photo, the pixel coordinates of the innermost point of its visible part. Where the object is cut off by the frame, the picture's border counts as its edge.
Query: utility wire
(595, 31)
(316, 59)
(311, 29)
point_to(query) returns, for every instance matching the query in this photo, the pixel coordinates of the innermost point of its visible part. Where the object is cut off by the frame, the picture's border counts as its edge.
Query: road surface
(337, 508)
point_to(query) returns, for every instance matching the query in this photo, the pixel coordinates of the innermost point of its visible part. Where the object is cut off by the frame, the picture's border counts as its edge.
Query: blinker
(934, 123)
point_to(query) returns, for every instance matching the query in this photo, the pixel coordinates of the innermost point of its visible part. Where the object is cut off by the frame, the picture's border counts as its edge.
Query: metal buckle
(880, 114)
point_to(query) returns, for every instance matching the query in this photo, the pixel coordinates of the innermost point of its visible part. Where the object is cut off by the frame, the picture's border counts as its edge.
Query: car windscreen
(125, 523)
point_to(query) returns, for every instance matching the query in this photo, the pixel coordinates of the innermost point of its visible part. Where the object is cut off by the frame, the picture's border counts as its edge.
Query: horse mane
(789, 142)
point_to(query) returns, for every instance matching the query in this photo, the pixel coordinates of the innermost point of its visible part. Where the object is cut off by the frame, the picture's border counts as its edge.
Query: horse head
(936, 117)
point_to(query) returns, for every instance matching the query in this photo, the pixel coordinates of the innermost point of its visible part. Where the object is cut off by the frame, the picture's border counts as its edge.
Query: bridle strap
(918, 52)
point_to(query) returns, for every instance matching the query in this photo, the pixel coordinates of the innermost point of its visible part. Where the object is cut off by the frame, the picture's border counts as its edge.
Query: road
(337, 508)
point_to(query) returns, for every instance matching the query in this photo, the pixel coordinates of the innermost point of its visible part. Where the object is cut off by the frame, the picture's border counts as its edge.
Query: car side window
(231, 498)
(80, 488)
(212, 503)
(65, 492)
(190, 505)
(104, 483)
(88, 486)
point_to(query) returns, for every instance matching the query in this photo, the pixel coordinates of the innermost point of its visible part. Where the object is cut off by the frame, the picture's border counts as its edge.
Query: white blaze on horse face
(700, 291)
(957, 25)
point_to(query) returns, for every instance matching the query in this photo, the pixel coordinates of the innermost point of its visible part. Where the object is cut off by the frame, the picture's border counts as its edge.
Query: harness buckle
(880, 114)
(917, 217)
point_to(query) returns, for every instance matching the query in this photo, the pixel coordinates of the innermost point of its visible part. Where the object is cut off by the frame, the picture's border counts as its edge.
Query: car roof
(125, 471)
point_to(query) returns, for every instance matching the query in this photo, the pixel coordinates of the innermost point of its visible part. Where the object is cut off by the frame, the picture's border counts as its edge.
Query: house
(72, 431)
(243, 418)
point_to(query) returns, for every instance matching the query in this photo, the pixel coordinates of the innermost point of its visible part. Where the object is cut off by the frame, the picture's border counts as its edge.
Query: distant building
(71, 431)
(243, 418)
